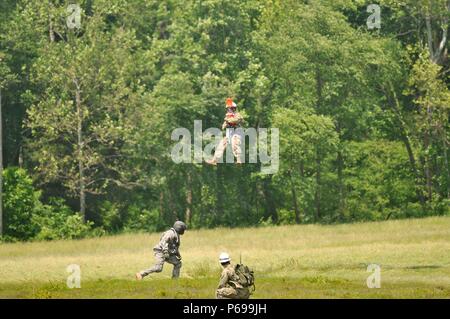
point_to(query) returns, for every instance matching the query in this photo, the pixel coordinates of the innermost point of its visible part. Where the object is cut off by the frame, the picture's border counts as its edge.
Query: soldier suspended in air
(232, 122)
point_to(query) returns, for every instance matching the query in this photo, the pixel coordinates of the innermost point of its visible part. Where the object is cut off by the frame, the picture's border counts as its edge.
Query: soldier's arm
(224, 125)
(240, 119)
(237, 119)
(164, 243)
(223, 280)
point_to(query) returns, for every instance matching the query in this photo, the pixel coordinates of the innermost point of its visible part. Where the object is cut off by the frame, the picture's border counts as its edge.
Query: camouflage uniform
(232, 120)
(229, 286)
(166, 251)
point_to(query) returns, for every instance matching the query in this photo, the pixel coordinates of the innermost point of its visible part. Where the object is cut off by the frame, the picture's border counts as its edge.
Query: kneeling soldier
(229, 286)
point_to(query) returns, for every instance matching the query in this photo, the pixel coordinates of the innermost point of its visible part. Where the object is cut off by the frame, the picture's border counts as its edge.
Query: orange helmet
(230, 103)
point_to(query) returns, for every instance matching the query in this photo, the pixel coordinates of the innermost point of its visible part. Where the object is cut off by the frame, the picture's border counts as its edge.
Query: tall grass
(412, 254)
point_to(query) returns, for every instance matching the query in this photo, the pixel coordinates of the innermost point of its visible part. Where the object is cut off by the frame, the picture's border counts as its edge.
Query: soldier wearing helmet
(229, 286)
(232, 121)
(167, 250)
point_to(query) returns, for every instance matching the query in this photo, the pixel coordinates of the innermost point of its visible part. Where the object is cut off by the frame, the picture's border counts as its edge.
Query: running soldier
(167, 250)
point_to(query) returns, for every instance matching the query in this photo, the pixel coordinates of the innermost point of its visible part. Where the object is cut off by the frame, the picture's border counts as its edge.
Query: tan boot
(211, 162)
(138, 276)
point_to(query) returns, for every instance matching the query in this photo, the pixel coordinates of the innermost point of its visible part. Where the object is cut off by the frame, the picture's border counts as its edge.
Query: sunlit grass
(307, 261)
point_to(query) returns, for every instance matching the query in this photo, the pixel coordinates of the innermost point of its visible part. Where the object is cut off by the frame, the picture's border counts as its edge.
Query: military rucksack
(245, 275)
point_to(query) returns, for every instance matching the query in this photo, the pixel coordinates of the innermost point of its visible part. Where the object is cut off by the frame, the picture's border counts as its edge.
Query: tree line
(88, 109)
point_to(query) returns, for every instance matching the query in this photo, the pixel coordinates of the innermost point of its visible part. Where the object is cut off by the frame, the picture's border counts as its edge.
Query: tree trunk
(172, 208)
(318, 193)
(302, 169)
(80, 146)
(406, 141)
(412, 162)
(319, 88)
(51, 31)
(447, 167)
(220, 195)
(294, 198)
(427, 161)
(1, 166)
(188, 214)
(20, 160)
(340, 165)
(429, 35)
(271, 210)
(438, 50)
(161, 204)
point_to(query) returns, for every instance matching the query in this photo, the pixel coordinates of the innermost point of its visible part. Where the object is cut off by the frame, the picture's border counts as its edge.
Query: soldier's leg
(236, 145)
(158, 267)
(176, 266)
(220, 149)
(243, 294)
(226, 293)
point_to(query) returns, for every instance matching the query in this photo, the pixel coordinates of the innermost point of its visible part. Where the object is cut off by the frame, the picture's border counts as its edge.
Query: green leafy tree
(84, 117)
(432, 129)
(55, 220)
(20, 201)
(306, 142)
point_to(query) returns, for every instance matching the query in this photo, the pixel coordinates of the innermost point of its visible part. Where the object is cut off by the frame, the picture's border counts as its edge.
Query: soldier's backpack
(245, 275)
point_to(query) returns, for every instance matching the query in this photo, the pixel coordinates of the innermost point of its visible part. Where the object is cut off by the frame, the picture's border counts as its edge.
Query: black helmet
(179, 227)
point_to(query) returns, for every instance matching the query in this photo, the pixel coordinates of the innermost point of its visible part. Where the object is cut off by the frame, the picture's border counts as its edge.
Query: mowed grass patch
(306, 261)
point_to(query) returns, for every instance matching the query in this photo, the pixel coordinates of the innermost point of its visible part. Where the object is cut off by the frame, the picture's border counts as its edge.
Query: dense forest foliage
(88, 109)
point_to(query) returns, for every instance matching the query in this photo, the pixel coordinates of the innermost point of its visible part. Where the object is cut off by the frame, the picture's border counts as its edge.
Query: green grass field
(308, 261)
